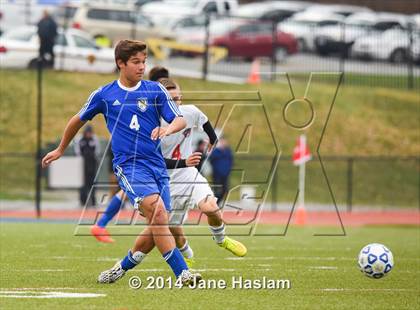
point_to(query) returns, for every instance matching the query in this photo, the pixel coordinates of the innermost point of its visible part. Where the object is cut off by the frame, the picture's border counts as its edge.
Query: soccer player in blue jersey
(99, 230)
(188, 188)
(132, 108)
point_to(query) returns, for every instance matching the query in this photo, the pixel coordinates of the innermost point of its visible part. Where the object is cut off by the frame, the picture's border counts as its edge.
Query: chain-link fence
(386, 182)
(382, 54)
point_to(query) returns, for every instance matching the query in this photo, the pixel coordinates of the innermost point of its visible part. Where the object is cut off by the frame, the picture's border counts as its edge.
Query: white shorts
(188, 187)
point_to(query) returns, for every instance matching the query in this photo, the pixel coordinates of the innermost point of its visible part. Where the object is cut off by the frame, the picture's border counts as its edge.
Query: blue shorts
(141, 180)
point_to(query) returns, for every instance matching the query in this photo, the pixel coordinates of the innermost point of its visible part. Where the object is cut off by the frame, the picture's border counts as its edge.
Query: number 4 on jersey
(134, 124)
(176, 154)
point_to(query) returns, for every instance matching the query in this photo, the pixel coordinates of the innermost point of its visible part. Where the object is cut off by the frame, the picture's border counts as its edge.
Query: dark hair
(168, 83)
(127, 48)
(158, 72)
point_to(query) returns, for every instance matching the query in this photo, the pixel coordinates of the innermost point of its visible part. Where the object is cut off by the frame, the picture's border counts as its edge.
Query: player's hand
(193, 160)
(159, 133)
(209, 148)
(50, 157)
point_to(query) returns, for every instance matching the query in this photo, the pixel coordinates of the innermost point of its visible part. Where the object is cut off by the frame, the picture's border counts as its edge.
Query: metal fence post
(38, 166)
(350, 184)
(342, 58)
(410, 58)
(27, 12)
(206, 48)
(273, 54)
(134, 21)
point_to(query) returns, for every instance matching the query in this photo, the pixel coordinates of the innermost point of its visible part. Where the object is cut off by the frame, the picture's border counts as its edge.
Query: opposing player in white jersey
(188, 188)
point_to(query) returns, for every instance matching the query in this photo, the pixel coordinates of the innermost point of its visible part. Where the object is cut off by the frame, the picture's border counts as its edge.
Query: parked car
(121, 2)
(338, 39)
(340, 9)
(75, 50)
(305, 25)
(160, 12)
(255, 39)
(393, 45)
(275, 11)
(217, 28)
(116, 23)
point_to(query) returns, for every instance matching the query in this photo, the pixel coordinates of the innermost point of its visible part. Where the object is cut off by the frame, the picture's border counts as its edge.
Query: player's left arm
(209, 130)
(170, 113)
(176, 125)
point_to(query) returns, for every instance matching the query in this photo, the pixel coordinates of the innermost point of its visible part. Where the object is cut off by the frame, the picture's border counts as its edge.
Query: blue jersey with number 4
(131, 114)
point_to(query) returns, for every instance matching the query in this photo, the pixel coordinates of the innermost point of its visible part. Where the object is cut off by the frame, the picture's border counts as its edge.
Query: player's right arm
(93, 106)
(72, 127)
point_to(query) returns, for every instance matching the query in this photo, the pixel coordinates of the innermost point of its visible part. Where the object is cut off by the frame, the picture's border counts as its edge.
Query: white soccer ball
(375, 260)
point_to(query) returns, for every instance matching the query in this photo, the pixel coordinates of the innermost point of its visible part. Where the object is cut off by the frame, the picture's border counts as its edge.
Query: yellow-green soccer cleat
(233, 246)
(190, 262)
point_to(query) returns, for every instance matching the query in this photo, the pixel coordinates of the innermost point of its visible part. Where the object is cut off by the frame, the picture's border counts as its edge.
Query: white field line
(368, 290)
(47, 294)
(323, 267)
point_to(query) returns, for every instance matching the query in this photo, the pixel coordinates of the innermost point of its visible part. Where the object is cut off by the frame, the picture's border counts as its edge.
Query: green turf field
(322, 271)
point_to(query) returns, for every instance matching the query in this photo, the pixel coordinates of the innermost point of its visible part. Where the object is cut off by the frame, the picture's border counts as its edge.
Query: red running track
(313, 218)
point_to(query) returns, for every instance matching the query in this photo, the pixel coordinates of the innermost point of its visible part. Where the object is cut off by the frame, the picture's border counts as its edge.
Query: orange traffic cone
(254, 74)
(300, 216)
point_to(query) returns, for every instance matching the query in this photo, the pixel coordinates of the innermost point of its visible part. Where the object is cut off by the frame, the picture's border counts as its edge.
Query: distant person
(202, 148)
(88, 147)
(221, 160)
(47, 32)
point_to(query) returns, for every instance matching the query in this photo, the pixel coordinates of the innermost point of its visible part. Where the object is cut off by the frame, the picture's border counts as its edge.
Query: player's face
(134, 69)
(176, 95)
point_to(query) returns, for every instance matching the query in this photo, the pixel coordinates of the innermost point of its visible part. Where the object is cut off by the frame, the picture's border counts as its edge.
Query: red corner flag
(301, 152)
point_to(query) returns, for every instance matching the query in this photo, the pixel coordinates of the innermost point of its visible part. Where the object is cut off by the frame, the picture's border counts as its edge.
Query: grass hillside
(364, 121)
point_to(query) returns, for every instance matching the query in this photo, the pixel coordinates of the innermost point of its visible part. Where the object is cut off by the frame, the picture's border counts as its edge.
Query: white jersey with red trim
(188, 187)
(179, 145)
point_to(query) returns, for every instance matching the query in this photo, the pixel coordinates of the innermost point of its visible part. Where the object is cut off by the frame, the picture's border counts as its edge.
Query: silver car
(116, 23)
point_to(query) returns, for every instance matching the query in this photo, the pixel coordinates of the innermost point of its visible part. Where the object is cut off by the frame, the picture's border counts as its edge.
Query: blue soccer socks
(112, 209)
(175, 261)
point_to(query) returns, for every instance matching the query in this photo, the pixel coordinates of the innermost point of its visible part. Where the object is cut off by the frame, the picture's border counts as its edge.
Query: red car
(255, 39)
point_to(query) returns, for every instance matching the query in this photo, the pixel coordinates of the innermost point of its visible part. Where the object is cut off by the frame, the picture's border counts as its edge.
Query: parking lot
(298, 37)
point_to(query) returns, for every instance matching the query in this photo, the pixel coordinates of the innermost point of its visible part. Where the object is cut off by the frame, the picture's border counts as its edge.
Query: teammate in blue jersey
(132, 108)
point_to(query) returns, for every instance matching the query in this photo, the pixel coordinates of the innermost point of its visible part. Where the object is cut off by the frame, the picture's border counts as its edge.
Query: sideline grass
(322, 271)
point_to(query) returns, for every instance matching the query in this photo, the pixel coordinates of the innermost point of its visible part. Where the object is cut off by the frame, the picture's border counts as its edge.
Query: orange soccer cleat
(101, 234)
